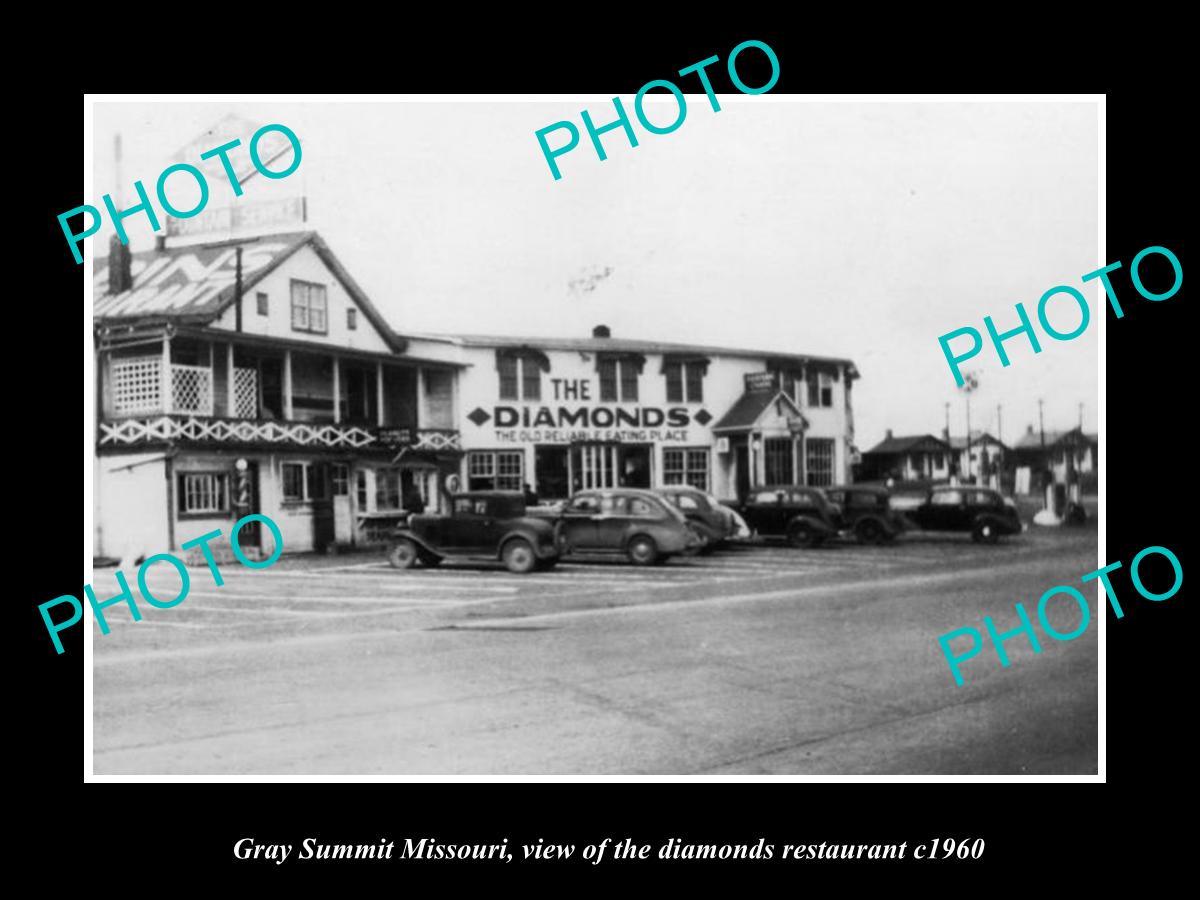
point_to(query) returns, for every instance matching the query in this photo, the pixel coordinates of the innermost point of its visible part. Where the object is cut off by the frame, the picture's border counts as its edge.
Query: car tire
(403, 554)
(869, 531)
(430, 560)
(642, 551)
(985, 533)
(519, 556)
(800, 534)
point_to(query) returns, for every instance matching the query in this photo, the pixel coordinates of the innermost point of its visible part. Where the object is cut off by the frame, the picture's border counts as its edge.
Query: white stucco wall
(131, 505)
(303, 265)
(479, 388)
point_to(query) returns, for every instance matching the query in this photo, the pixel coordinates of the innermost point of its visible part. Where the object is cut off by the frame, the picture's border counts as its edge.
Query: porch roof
(748, 409)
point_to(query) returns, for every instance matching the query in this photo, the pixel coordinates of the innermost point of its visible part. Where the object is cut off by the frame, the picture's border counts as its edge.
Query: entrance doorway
(741, 464)
(322, 505)
(609, 465)
(550, 471)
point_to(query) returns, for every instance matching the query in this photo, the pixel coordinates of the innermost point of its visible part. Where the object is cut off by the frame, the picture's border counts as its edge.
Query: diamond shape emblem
(702, 417)
(478, 416)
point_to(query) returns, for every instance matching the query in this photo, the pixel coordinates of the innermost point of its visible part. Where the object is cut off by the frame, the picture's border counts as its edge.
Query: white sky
(861, 230)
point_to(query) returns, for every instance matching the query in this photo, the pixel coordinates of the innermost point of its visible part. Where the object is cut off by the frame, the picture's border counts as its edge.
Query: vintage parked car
(637, 523)
(984, 512)
(866, 511)
(713, 522)
(481, 525)
(803, 515)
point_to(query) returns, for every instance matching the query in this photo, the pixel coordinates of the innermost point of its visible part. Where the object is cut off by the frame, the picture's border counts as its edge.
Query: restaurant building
(566, 414)
(256, 376)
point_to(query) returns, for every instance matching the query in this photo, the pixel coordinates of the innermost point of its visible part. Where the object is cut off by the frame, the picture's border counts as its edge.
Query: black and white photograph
(519, 436)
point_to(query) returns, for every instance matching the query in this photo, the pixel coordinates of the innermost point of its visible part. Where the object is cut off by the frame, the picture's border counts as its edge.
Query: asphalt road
(759, 660)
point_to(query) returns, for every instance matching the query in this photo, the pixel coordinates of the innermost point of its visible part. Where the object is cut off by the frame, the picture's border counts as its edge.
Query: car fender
(888, 526)
(634, 532)
(530, 537)
(993, 520)
(407, 534)
(812, 522)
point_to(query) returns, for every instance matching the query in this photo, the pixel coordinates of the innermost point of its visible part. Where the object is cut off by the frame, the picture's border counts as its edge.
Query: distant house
(985, 457)
(917, 457)
(1054, 450)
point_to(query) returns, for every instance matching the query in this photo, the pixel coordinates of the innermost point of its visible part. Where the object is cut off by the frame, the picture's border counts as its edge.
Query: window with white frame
(293, 481)
(303, 481)
(203, 492)
(685, 381)
(341, 479)
(618, 378)
(495, 470)
(387, 489)
(820, 389)
(686, 465)
(777, 460)
(818, 461)
(520, 374)
(310, 308)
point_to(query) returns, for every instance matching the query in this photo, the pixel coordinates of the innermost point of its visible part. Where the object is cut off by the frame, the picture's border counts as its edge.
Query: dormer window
(619, 376)
(685, 378)
(520, 373)
(820, 389)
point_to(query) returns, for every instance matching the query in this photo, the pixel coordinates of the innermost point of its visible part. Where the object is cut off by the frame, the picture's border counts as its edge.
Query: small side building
(914, 457)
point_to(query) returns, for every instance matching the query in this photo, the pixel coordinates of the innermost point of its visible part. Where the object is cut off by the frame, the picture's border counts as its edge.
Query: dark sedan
(481, 525)
(637, 523)
(866, 511)
(803, 515)
(983, 512)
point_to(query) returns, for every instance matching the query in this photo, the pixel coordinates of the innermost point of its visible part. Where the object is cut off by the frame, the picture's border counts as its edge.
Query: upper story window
(820, 389)
(685, 379)
(261, 300)
(521, 374)
(619, 377)
(351, 318)
(310, 308)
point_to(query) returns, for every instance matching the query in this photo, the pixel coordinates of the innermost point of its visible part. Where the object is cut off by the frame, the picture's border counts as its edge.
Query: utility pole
(1041, 425)
(999, 425)
(947, 404)
(1081, 416)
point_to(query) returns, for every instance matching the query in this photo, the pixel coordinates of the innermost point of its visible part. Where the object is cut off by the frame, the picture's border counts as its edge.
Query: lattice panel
(136, 385)
(245, 393)
(191, 389)
(437, 440)
(164, 428)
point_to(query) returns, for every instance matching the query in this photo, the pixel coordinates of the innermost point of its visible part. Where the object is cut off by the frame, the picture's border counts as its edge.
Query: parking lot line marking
(792, 592)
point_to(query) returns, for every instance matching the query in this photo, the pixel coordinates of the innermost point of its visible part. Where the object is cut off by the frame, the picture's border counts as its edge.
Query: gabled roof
(195, 283)
(1032, 440)
(911, 444)
(749, 407)
(630, 345)
(977, 437)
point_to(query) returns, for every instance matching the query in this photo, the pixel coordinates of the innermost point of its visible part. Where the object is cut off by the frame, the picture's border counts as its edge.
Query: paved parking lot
(760, 659)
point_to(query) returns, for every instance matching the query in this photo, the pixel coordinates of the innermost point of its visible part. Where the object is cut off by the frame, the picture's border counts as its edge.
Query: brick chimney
(888, 435)
(601, 331)
(120, 266)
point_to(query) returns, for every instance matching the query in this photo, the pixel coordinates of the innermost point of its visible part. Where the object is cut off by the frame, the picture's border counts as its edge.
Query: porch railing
(210, 430)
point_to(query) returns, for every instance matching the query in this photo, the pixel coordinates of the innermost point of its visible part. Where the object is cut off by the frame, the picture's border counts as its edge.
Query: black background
(153, 834)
